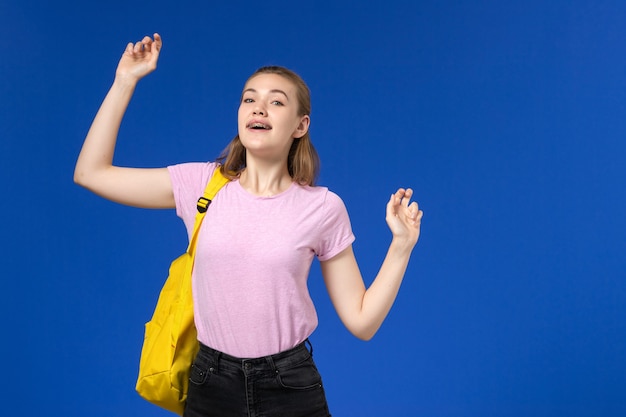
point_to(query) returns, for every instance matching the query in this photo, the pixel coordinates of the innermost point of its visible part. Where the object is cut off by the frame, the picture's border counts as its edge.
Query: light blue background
(506, 117)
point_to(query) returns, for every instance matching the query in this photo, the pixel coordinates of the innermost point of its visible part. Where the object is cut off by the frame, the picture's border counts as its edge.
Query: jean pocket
(201, 369)
(300, 377)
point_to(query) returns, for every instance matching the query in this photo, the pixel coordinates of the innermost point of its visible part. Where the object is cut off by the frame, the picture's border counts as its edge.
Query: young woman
(252, 307)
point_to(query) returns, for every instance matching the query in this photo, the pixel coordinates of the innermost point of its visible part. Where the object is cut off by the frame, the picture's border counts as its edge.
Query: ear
(303, 127)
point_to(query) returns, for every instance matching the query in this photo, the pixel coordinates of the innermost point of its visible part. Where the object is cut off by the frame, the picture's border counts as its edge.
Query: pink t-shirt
(253, 259)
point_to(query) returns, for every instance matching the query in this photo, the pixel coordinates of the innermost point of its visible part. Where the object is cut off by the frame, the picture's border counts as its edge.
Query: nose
(259, 110)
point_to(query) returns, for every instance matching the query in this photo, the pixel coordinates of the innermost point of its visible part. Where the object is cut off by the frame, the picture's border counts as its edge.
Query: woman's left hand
(404, 218)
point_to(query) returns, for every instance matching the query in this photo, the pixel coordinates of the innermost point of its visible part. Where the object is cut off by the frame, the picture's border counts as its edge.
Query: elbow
(80, 177)
(85, 178)
(361, 326)
(77, 178)
(364, 333)
(87, 175)
(364, 337)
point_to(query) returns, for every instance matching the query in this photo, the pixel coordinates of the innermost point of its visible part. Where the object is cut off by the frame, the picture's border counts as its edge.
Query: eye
(247, 100)
(277, 103)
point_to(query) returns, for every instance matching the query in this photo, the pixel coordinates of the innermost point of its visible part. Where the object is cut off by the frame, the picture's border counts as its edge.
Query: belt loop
(308, 342)
(270, 362)
(218, 358)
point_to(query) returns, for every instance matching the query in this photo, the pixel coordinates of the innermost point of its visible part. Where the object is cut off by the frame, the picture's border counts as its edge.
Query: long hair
(303, 161)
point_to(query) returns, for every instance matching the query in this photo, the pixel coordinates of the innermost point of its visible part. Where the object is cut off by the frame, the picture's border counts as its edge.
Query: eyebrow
(252, 90)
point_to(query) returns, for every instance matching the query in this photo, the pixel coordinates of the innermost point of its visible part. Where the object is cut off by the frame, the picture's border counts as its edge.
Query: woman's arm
(94, 168)
(363, 310)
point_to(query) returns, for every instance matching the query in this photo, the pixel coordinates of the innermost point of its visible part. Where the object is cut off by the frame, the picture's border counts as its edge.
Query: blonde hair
(303, 161)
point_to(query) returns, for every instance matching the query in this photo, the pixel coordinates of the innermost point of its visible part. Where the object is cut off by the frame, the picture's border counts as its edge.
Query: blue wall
(507, 118)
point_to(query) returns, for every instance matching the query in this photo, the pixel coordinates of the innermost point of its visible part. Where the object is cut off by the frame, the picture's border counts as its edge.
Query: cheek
(240, 116)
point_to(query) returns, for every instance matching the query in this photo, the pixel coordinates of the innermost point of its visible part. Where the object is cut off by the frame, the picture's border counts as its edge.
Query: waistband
(277, 361)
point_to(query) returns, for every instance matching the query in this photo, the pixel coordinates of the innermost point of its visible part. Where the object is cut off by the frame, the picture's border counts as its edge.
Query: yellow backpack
(170, 344)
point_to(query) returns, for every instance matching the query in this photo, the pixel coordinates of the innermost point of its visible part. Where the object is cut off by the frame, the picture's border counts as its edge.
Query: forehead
(269, 82)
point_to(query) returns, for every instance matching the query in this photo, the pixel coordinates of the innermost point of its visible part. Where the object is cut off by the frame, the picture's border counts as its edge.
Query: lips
(258, 125)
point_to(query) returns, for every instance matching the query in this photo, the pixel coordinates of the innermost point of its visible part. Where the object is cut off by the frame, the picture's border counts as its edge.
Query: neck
(265, 180)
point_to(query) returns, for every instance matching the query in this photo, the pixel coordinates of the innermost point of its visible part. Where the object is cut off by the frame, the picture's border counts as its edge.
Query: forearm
(99, 146)
(380, 296)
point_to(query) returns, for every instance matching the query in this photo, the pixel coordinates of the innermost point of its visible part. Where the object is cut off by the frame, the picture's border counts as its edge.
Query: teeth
(258, 126)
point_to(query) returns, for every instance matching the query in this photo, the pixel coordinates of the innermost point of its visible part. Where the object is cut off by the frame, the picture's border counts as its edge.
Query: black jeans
(286, 384)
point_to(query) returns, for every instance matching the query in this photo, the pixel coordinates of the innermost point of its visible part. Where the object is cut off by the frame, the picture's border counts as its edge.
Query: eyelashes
(274, 102)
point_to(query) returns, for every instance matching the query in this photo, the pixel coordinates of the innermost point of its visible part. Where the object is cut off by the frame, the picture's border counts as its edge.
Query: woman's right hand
(139, 59)
(94, 170)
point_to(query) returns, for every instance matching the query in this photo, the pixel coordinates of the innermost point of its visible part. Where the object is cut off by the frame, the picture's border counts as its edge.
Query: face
(268, 117)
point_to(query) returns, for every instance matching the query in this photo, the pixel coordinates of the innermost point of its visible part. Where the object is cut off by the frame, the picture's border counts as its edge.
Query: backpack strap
(218, 180)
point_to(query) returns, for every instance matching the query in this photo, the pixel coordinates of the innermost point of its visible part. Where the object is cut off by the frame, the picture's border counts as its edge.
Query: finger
(398, 195)
(407, 197)
(155, 48)
(147, 43)
(412, 210)
(158, 42)
(138, 47)
(418, 213)
(129, 48)
(392, 205)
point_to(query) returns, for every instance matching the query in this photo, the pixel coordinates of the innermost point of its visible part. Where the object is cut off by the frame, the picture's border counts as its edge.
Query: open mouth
(258, 126)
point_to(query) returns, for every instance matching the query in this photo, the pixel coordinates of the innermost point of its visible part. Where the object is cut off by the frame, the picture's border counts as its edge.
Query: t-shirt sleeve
(335, 228)
(188, 183)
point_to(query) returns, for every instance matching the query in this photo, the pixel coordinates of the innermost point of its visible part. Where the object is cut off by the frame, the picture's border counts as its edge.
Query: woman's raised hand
(94, 170)
(139, 59)
(404, 218)
(363, 310)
